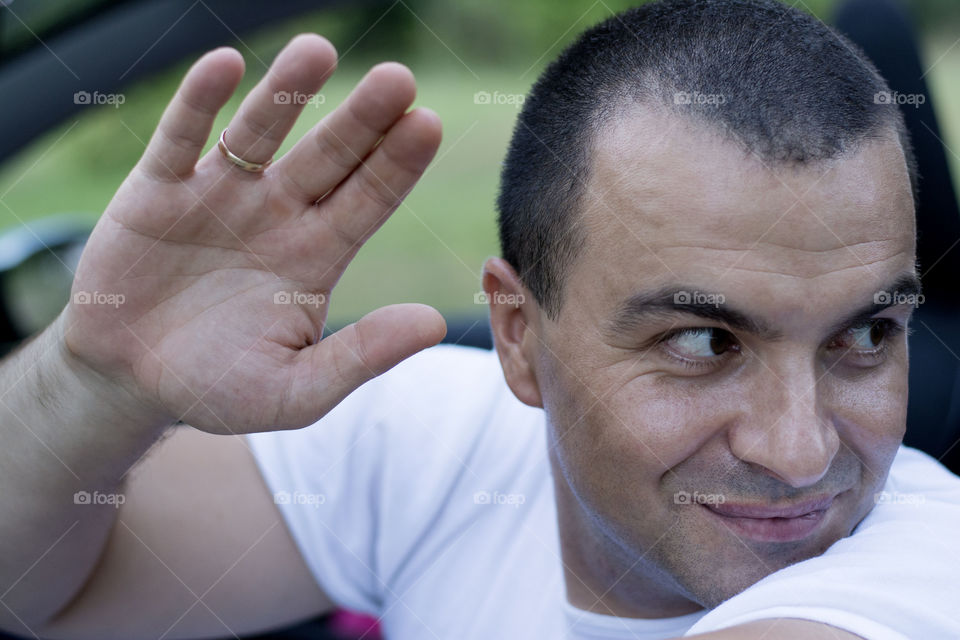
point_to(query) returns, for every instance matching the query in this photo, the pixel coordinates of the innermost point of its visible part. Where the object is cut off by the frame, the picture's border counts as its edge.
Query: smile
(763, 523)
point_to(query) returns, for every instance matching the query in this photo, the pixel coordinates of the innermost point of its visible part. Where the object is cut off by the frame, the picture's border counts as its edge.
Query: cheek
(616, 441)
(870, 417)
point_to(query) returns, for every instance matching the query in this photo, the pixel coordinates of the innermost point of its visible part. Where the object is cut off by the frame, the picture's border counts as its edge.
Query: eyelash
(891, 330)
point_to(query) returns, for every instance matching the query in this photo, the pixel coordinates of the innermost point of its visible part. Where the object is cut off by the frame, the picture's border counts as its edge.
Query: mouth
(765, 523)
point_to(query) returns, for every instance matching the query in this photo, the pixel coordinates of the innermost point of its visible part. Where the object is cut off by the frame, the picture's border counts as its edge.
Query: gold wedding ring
(252, 167)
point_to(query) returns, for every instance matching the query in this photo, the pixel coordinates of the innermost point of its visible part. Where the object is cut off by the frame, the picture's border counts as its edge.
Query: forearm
(66, 434)
(781, 628)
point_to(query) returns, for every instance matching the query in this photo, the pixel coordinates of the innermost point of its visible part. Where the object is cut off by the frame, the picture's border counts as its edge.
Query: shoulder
(403, 467)
(918, 490)
(913, 469)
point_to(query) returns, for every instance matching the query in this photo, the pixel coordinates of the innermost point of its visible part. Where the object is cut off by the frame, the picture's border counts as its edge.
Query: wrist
(115, 396)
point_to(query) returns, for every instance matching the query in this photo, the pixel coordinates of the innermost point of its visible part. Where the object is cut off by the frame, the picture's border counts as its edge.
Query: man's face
(723, 394)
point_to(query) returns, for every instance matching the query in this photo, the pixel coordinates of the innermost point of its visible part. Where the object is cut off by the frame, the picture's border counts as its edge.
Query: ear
(514, 318)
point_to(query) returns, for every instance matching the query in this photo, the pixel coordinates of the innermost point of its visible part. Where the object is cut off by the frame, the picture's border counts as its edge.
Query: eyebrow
(667, 302)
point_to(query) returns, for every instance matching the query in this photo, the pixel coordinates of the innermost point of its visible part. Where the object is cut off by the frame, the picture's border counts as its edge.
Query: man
(700, 391)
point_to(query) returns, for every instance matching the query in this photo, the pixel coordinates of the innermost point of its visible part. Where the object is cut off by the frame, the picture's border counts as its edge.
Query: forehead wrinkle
(783, 247)
(796, 263)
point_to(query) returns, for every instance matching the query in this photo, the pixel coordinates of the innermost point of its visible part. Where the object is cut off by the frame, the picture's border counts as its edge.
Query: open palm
(204, 288)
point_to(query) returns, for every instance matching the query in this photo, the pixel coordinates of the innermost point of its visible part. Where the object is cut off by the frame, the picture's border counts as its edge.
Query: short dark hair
(793, 91)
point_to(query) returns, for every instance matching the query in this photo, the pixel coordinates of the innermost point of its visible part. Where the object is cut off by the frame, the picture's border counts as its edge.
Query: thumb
(344, 360)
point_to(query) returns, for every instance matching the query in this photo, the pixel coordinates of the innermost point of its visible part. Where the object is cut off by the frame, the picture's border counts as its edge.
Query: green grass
(432, 249)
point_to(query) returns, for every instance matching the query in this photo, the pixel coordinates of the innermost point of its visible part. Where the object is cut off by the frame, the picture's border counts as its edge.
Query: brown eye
(701, 342)
(876, 334)
(721, 342)
(867, 338)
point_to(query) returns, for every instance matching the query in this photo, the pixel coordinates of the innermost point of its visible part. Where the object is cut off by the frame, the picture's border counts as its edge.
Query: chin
(716, 576)
(711, 593)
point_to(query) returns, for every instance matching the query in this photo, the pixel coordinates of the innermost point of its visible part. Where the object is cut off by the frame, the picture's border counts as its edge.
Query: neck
(603, 578)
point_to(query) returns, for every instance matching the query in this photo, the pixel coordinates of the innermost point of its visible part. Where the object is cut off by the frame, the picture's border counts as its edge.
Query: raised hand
(203, 289)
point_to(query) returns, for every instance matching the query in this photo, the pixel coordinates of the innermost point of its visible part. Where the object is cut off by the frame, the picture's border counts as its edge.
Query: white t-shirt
(426, 498)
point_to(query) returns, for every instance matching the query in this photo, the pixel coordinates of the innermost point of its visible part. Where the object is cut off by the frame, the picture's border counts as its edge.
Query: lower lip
(772, 529)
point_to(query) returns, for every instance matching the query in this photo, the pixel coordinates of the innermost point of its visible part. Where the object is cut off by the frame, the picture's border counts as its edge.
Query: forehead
(665, 193)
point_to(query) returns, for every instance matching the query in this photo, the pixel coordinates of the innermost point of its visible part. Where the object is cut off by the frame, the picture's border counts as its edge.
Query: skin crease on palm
(807, 409)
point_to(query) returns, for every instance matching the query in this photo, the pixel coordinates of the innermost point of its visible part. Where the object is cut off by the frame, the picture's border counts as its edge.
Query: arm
(54, 416)
(200, 260)
(198, 550)
(782, 629)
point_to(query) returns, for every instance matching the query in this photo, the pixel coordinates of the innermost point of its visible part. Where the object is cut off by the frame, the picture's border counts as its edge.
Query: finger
(269, 111)
(185, 125)
(365, 200)
(339, 142)
(334, 367)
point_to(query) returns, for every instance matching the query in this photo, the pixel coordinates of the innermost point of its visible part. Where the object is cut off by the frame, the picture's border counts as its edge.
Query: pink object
(355, 625)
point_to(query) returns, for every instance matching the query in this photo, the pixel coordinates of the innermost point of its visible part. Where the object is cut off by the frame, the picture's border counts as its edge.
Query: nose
(785, 430)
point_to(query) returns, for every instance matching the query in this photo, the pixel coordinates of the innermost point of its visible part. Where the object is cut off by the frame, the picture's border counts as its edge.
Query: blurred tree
(497, 32)
(936, 15)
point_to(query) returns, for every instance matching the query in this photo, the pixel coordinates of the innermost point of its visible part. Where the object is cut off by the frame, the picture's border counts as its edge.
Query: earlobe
(514, 316)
